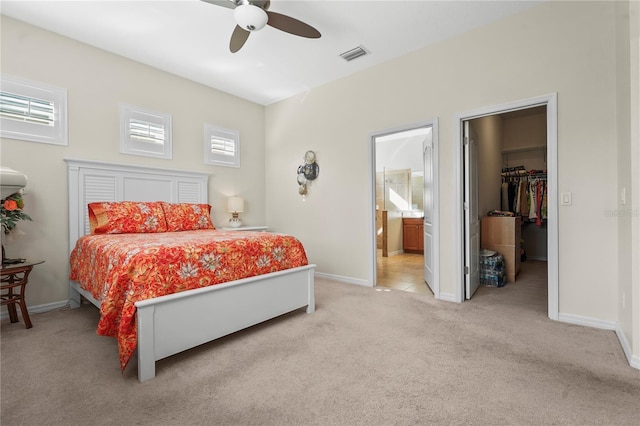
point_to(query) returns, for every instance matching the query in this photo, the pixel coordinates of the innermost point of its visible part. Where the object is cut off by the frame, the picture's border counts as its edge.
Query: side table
(12, 277)
(246, 228)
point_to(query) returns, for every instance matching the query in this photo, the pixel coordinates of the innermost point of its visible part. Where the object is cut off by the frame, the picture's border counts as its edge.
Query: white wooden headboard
(92, 181)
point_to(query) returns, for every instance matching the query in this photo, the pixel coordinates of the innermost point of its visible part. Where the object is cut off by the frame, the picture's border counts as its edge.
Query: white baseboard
(587, 321)
(633, 360)
(448, 297)
(38, 309)
(347, 280)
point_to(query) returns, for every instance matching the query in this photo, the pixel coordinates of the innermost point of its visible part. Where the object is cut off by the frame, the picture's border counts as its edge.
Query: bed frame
(171, 324)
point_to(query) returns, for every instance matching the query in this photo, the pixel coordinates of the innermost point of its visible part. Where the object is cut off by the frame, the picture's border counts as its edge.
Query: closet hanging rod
(515, 173)
(520, 174)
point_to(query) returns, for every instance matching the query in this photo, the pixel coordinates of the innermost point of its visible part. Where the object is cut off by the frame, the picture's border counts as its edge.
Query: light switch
(565, 199)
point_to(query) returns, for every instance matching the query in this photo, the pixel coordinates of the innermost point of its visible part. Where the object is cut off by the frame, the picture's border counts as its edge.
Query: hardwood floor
(402, 272)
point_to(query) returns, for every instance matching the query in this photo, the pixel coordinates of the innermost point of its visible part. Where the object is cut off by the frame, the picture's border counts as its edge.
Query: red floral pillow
(126, 217)
(187, 216)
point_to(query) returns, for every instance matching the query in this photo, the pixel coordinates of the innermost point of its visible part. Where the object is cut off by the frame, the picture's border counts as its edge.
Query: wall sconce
(307, 172)
(235, 205)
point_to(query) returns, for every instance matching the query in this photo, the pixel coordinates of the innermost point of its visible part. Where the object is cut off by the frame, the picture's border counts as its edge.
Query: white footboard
(171, 324)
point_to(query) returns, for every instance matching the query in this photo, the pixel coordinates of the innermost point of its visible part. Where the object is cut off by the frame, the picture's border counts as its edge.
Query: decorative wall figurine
(307, 172)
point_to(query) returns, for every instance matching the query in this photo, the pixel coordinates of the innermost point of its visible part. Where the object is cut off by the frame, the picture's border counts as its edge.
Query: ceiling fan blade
(262, 4)
(238, 38)
(231, 4)
(291, 25)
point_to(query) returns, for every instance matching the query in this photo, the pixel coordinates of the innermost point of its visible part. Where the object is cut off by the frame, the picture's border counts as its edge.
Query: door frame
(471, 218)
(433, 123)
(551, 102)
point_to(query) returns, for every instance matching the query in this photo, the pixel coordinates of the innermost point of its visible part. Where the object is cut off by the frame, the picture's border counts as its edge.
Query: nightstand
(12, 277)
(247, 228)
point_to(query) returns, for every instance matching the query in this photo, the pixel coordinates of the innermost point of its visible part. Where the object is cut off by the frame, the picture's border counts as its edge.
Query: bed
(172, 323)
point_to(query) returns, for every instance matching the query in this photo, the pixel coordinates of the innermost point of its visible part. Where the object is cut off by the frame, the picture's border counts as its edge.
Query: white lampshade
(250, 17)
(235, 204)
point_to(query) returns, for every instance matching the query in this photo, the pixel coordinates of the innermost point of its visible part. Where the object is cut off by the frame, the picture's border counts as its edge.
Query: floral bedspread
(119, 270)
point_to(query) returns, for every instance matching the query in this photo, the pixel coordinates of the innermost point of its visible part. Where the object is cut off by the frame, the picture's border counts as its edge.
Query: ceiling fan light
(250, 17)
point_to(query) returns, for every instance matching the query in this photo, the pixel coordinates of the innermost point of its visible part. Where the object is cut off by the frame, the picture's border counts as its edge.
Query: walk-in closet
(512, 198)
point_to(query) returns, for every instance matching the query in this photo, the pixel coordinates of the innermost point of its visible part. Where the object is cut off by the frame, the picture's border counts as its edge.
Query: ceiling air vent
(352, 54)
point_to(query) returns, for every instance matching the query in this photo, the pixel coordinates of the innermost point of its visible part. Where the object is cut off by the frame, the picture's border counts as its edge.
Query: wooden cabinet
(412, 235)
(502, 234)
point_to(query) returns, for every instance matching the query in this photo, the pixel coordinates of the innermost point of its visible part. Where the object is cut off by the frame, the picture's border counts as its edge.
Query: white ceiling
(190, 38)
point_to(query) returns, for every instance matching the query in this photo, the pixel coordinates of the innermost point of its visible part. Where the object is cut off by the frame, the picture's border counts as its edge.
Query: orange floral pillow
(187, 216)
(126, 217)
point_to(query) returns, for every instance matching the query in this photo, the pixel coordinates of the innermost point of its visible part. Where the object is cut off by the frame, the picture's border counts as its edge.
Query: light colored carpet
(365, 357)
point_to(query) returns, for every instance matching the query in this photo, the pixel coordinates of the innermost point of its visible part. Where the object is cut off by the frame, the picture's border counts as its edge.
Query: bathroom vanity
(413, 235)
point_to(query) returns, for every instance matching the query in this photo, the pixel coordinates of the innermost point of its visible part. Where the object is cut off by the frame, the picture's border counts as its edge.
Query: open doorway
(499, 168)
(404, 190)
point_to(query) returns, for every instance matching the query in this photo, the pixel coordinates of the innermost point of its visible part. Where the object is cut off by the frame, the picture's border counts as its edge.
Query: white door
(471, 220)
(428, 206)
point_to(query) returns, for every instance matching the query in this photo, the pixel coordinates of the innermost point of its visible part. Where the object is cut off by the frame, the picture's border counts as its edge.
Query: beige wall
(97, 81)
(394, 233)
(623, 83)
(488, 131)
(628, 143)
(525, 131)
(563, 47)
(634, 335)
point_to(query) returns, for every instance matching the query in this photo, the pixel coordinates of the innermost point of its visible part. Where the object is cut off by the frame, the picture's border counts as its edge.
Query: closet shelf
(527, 149)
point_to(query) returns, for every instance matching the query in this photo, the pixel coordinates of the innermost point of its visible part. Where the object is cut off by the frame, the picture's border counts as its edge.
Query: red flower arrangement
(11, 212)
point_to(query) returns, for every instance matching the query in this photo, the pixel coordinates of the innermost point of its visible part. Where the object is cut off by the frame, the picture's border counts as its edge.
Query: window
(145, 132)
(32, 111)
(221, 146)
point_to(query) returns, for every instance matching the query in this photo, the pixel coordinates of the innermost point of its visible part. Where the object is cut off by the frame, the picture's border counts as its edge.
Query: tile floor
(402, 272)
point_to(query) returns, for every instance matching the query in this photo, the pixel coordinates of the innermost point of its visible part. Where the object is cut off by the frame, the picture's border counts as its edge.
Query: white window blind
(224, 147)
(221, 146)
(32, 111)
(23, 108)
(142, 131)
(145, 132)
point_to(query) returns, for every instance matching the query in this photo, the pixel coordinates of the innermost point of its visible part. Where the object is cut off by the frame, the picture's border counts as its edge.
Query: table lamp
(235, 205)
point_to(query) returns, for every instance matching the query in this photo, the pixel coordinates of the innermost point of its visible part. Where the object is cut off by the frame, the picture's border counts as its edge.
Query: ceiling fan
(253, 15)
